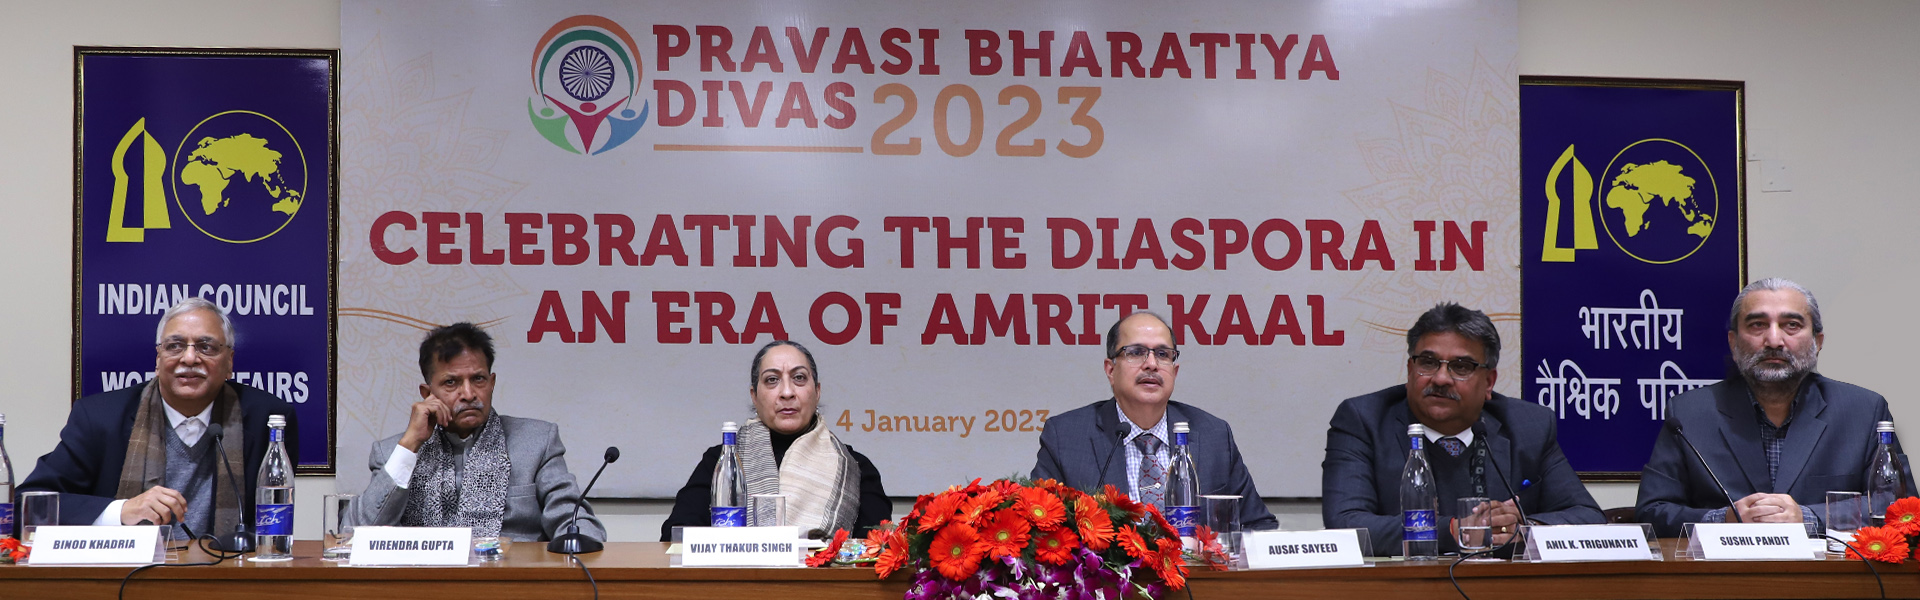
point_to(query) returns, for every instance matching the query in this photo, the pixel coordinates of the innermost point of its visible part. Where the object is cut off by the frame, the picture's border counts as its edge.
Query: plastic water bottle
(729, 488)
(6, 487)
(1183, 490)
(273, 499)
(1419, 501)
(1884, 483)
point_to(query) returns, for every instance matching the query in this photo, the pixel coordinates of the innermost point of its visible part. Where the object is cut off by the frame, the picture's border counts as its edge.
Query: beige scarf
(818, 476)
(146, 461)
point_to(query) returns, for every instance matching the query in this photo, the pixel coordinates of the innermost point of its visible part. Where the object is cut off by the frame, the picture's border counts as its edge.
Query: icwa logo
(586, 75)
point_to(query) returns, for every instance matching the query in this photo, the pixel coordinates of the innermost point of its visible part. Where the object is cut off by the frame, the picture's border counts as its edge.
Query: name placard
(411, 546)
(740, 547)
(1295, 549)
(1750, 541)
(1573, 543)
(83, 545)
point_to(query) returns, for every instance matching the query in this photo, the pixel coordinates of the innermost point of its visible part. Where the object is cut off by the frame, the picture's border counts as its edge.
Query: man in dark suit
(1478, 438)
(1779, 435)
(143, 453)
(1124, 441)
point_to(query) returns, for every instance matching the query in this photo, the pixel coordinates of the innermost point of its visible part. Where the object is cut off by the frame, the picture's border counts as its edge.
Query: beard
(1798, 365)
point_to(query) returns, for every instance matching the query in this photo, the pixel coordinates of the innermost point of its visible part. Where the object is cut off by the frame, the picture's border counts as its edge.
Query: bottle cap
(1417, 429)
(729, 427)
(1181, 427)
(276, 420)
(1880, 427)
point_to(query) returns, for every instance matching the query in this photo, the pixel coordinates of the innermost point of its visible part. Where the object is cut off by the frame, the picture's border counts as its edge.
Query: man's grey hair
(192, 304)
(1448, 317)
(1774, 284)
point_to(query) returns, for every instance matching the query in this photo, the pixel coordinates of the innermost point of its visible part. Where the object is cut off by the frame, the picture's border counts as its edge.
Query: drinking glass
(1223, 517)
(1846, 513)
(1473, 524)
(336, 528)
(766, 510)
(37, 508)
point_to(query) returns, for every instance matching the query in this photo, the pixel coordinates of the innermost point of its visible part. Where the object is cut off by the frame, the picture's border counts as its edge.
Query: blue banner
(1632, 249)
(209, 173)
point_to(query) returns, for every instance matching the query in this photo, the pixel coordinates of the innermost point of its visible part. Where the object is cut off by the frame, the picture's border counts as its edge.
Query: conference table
(641, 570)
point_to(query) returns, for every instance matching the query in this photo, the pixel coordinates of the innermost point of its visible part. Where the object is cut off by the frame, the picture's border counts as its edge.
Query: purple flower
(1015, 567)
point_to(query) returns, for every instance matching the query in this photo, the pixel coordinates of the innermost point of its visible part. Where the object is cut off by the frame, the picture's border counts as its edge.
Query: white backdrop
(1420, 126)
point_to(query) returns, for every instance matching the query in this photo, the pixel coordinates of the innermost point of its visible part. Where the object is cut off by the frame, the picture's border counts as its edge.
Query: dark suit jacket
(85, 466)
(542, 494)
(1081, 448)
(1367, 448)
(1829, 447)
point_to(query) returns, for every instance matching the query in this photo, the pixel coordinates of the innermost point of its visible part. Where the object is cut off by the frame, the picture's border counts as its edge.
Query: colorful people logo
(586, 74)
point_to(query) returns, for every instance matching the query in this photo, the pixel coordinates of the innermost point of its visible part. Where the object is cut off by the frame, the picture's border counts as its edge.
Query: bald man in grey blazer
(461, 464)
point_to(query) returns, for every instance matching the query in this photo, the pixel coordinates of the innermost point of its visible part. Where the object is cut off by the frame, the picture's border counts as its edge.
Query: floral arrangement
(11, 552)
(1027, 539)
(1889, 542)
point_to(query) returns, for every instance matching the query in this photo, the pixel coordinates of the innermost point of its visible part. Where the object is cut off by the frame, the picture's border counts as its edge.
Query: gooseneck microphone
(240, 542)
(573, 542)
(1118, 442)
(1732, 512)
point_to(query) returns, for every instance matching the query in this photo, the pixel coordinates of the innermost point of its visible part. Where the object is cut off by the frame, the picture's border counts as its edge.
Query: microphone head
(613, 453)
(214, 429)
(1479, 429)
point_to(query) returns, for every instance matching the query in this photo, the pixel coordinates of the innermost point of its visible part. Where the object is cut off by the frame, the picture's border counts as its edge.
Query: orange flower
(1211, 549)
(1056, 547)
(956, 551)
(1904, 516)
(892, 558)
(1006, 487)
(980, 505)
(1169, 564)
(1135, 546)
(876, 538)
(825, 555)
(1133, 509)
(1161, 521)
(1005, 534)
(1096, 528)
(1041, 508)
(1883, 544)
(940, 510)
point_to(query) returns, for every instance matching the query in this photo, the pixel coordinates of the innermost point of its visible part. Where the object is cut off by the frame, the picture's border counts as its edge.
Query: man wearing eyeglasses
(144, 453)
(1476, 438)
(1126, 441)
(462, 464)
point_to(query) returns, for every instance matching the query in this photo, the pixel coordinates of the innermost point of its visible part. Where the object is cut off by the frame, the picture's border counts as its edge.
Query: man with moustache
(1778, 435)
(1476, 438)
(144, 453)
(1125, 441)
(461, 464)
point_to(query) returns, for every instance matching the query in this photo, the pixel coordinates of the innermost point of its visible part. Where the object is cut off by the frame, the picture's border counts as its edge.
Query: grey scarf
(472, 495)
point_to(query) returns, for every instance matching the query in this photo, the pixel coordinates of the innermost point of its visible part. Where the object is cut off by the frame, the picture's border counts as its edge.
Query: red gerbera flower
(956, 551)
(1056, 547)
(1135, 545)
(891, 558)
(876, 538)
(1169, 564)
(1096, 528)
(1878, 543)
(12, 548)
(987, 501)
(1041, 508)
(825, 555)
(940, 510)
(1161, 521)
(1005, 533)
(1133, 509)
(1211, 549)
(1904, 516)
(1006, 487)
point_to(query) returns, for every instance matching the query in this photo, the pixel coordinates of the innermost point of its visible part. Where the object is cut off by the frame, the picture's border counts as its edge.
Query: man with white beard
(1778, 434)
(149, 452)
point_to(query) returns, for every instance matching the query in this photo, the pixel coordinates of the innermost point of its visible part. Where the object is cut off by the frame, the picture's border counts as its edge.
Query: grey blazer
(1081, 448)
(541, 492)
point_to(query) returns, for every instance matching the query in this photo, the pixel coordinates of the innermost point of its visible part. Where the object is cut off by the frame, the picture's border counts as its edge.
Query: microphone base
(238, 543)
(574, 543)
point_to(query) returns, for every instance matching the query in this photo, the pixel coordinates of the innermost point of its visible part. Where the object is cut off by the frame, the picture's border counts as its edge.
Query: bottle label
(273, 519)
(1418, 441)
(1418, 525)
(274, 434)
(1179, 439)
(1182, 519)
(729, 516)
(6, 520)
(1886, 437)
(726, 438)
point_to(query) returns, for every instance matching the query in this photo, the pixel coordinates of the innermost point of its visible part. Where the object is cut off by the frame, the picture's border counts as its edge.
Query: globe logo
(586, 83)
(1659, 202)
(239, 176)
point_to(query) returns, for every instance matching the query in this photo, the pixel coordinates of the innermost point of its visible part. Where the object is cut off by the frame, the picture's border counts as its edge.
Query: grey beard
(1797, 365)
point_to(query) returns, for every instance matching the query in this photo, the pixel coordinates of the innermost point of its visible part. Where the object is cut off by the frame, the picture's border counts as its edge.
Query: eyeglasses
(1136, 353)
(1460, 368)
(205, 348)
